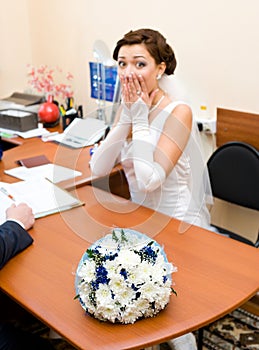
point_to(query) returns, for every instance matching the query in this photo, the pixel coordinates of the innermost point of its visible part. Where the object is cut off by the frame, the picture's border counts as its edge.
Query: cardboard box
(18, 120)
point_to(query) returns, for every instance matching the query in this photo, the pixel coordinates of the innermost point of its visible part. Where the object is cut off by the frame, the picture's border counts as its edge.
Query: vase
(49, 113)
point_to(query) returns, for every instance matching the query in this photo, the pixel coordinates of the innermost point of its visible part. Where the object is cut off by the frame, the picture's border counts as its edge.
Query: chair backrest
(234, 174)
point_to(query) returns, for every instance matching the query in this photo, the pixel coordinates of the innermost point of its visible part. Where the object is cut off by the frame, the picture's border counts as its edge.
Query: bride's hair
(155, 44)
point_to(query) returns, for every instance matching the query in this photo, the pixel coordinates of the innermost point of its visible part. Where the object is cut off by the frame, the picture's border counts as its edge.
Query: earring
(158, 77)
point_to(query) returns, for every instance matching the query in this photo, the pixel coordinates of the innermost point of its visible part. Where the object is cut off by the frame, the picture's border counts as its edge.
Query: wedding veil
(200, 184)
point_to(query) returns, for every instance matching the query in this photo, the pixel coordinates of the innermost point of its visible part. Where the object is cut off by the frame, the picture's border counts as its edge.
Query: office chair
(234, 175)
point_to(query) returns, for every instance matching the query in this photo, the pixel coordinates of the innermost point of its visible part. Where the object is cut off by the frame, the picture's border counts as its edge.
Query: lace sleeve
(104, 158)
(149, 174)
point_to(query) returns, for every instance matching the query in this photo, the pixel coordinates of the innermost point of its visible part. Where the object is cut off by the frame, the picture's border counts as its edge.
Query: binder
(81, 133)
(43, 196)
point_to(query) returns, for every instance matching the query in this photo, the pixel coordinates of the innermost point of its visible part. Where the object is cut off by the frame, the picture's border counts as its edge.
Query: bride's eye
(121, 64)
(140, 64)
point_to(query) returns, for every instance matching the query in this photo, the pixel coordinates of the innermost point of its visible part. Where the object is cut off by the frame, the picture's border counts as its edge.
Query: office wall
(15, 45)
(216, 43)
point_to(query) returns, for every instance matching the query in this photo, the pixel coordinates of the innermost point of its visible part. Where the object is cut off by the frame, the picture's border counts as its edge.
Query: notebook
(33, 161)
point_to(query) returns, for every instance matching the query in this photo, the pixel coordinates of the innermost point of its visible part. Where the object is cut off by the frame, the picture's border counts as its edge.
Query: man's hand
(21, 212)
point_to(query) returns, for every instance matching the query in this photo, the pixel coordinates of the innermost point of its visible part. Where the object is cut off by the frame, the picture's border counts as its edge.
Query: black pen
(107, 130)
(80, 111)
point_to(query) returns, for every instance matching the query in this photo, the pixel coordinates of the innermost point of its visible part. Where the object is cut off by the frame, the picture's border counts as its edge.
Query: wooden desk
(215, 274)
(77, 159)
(73, 158)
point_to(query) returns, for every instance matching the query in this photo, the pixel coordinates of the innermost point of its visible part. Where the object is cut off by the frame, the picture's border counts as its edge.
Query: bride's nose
(129, 70)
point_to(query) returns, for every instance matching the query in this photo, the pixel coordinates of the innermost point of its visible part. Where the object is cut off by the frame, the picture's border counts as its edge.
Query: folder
(24, 99)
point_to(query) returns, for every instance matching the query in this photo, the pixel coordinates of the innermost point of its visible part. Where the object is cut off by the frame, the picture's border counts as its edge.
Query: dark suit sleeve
(1, 149)
(13, 239)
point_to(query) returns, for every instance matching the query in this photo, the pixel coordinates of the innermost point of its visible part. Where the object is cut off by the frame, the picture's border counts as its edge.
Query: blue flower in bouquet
(124, 277)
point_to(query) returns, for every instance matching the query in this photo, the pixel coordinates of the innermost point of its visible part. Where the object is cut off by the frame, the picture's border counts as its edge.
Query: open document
(81, 133)
(40, 194)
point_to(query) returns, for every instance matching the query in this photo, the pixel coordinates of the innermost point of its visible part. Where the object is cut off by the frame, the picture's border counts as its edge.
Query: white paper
(32, 133)
(55, 173)
(26, 134)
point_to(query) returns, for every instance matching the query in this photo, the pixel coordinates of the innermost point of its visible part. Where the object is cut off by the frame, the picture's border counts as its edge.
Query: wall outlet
(209, 125)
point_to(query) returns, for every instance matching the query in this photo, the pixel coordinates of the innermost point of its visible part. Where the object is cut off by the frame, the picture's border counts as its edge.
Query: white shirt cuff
(17, 221)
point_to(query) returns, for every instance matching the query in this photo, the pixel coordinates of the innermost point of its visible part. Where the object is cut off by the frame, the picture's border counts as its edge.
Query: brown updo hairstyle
(155, 44)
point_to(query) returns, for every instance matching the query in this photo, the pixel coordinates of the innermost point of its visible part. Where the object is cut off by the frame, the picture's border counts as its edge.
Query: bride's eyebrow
(139, 56)
(136, 56)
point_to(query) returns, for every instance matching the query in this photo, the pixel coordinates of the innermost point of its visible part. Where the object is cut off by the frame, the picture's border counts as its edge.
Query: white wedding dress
(186, 189)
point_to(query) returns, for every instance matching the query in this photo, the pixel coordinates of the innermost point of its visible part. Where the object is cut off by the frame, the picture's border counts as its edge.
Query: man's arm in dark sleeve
(13, 239)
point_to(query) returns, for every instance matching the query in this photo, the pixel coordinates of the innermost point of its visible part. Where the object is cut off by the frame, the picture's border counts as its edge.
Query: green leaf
(123, 236)
(114, 237)
(90, 253)
(173, 291)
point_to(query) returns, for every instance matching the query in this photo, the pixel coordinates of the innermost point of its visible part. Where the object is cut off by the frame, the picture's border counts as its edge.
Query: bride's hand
(133, 88)
(142, 91)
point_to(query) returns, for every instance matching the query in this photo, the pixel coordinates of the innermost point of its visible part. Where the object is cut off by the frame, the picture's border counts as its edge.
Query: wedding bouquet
(123, 277)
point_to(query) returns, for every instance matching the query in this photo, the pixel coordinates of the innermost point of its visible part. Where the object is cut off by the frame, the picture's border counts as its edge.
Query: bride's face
(136, 59)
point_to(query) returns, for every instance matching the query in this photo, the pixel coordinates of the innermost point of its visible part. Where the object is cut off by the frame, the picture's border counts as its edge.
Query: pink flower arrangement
(42, 81)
